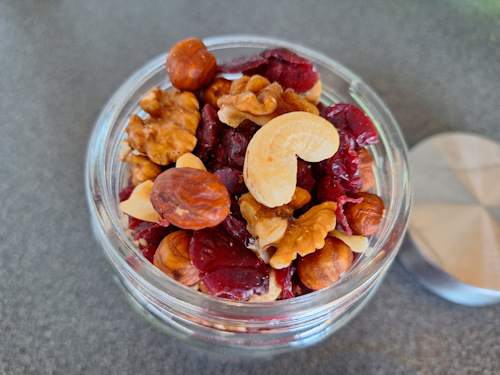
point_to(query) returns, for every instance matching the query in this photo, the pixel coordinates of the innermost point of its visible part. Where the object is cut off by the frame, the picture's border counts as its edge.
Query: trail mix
(249, 189)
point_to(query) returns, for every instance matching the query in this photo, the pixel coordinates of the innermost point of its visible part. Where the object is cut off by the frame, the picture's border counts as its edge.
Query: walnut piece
(305, 234)
(256, 99)
(269, 225)
(143, 169)
(277, 227)
(170, 131)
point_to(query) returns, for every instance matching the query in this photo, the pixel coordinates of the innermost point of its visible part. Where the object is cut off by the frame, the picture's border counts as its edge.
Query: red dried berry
(233, 145)
(305, 175)
(208, 133)
(328, 189)
(238, 230)
(226, 266)
(232, 179)
(354, 120)
(284, 280)
(280, 65)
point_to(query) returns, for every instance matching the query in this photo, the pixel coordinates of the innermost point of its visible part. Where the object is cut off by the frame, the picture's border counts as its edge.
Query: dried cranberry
(226, 266)
(232, 179)
(233, 145)
(125, 193)
(305, 175)
(344, 165)
(240, 64)
(339, 213)
(354, 120)
(280, 65)
(238, 230)
(208, 133)
(149, 252)
(152, 233)
(284, 280)
(133, 222)
(238, 284)
(328, 189)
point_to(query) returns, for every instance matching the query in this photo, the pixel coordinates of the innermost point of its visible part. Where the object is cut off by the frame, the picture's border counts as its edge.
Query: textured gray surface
(434, 63)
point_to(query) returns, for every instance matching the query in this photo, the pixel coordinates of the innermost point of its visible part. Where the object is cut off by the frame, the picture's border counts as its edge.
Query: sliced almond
(139, 204)
(358, 244)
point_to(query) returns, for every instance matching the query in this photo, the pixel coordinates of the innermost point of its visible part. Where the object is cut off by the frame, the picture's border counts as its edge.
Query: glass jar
(243, 327)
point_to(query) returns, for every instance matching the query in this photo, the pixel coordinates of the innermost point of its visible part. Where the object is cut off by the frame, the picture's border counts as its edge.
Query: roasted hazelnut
(190, 198)
(190, 66)
(323, 267)
(172, 257)
(365, 217)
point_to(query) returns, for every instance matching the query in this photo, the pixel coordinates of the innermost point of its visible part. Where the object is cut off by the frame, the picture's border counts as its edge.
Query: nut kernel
(190, 65)
(190, 160)
(323, 267)
(172, 257)
(365, 217)
(139, 203)
(190, 198)
(270, 169)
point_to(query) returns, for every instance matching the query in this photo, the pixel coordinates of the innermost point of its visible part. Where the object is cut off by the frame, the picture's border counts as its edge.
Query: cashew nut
(270, 169)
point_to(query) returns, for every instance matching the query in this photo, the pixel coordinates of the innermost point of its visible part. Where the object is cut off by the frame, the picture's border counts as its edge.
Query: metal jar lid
(453, 240)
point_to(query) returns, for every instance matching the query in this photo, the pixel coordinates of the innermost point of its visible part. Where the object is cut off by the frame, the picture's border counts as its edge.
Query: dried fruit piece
(208, 133)
(172, 258)
(258, 100)
(281, 65)
(305, 235)
(354, 120)
(189, 160)
(233, 145)
(274, 290)
(190, 65)
(190, 198)
(139, 205)
(365, 217)
(170, 130)
(323, 267)
(270, 169)
(226, 267)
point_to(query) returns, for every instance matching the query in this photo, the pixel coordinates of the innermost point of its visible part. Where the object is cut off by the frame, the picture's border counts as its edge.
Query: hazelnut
(190, 66)
(172, 258)
(365, 217)
(323, 267)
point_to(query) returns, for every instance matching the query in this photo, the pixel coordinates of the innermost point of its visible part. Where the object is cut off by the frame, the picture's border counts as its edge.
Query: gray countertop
(436, 64)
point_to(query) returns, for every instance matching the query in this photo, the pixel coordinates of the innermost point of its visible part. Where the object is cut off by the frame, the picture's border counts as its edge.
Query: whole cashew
(270, 169)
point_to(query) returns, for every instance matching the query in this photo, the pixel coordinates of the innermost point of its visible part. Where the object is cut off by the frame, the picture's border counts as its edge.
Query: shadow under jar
(245, 328)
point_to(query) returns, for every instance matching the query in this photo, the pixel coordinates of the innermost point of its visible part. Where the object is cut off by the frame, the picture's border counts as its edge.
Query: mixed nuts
(249, 189)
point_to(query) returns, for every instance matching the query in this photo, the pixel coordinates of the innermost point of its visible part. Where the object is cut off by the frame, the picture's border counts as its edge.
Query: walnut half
(170, 131)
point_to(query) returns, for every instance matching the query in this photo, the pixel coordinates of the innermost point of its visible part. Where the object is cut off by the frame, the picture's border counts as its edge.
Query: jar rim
(108, 230)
